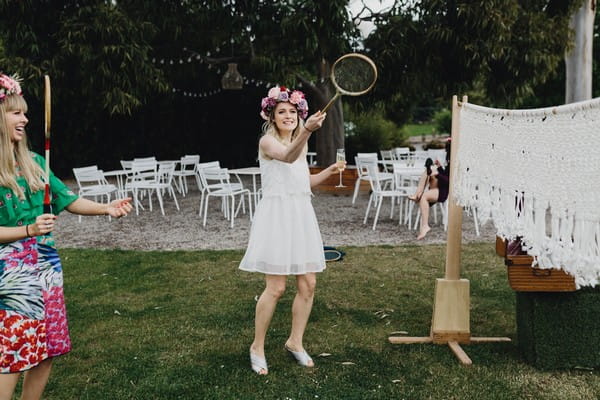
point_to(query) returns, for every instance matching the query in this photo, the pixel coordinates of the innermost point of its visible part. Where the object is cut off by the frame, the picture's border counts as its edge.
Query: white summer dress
(285, 237)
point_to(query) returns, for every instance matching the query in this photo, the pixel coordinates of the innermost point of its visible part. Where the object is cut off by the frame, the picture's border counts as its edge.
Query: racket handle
(334, 98)
(47, 203)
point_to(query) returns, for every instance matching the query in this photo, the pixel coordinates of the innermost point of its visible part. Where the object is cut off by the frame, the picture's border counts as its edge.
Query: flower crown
(9, 85)
(280, 94)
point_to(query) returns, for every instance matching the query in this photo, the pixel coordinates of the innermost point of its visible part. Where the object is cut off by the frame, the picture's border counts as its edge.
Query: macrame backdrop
(536, 174)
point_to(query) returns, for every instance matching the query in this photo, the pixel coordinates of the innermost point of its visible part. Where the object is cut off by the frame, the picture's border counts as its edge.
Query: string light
(197, 58)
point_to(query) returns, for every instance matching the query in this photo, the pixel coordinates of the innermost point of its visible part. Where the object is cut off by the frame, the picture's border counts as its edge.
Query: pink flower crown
(9, 85)
(280, 94)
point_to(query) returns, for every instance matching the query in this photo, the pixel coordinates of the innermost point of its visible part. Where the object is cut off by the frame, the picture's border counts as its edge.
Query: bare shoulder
(267, 140)
(268, 143)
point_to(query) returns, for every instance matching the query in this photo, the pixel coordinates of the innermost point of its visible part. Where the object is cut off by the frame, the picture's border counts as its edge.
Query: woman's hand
(315, 121)
(336, 167)
(43, 225)
(119, 208)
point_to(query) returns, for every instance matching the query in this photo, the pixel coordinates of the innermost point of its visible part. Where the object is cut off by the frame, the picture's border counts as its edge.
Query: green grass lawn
(177, 325)
(420, 129)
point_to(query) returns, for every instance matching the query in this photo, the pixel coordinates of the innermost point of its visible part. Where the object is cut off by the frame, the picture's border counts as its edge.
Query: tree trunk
(331, 135)
(578, 61)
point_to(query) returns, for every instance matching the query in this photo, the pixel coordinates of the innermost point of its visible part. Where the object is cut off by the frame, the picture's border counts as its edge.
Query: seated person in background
(432, 188)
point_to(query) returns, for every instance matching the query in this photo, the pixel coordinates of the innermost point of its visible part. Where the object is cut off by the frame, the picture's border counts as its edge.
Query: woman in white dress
(285, 237)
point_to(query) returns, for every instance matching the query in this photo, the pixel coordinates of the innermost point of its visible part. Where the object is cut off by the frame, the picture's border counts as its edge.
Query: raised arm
(116, 208)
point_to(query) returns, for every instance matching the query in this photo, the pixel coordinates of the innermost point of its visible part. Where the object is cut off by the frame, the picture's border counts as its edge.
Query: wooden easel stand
(450, 322)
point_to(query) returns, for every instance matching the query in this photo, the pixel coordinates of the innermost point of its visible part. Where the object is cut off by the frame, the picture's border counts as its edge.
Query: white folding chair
(401, 153)
(201, 188)
(126, 164)
(143, 174)
(216, 182)
(387, 156)
(406, 181)
(418, 157)
(187, 168)
(363, 175)
(378, 193)
(162, 182)
(443, 209)
(140, 159)
(93, 184)
(437, 154)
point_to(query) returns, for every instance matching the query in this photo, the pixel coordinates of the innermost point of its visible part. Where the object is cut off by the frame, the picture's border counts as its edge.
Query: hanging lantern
(232, 79)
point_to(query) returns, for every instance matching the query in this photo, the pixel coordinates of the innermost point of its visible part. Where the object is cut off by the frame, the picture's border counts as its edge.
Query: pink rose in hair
(273, 93)
(9, 85)
(296, 97)
(5, 82)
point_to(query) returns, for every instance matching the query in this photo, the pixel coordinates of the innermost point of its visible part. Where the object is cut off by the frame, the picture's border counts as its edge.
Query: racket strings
(354, 75)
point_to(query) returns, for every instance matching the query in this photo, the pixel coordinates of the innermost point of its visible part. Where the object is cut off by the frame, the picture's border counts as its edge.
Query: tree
(95, 53)
(578, 60)
(499, 50)
(285, 42)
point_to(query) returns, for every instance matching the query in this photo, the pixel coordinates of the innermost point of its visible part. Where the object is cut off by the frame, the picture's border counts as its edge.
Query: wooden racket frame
(47, 123)
(338, 90)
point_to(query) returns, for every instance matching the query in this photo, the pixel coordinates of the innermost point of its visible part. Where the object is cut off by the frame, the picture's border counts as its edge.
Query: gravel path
(340, 223)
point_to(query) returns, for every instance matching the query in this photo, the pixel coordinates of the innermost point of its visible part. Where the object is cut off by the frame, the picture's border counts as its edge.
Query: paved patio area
(339, 220)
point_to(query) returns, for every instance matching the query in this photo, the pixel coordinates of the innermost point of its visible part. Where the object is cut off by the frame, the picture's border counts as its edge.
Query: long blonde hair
(18, 152)
(270, 128)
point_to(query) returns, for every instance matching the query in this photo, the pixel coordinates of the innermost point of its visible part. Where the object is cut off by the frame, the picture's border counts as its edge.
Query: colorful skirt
(33, 318)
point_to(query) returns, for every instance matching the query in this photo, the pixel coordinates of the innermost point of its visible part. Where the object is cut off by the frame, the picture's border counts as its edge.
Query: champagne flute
(340, 159)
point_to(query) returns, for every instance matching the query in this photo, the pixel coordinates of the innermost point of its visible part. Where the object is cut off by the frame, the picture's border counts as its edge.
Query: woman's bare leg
(420, 188)
(265, 307)
(35, 380)
(8, 382)
(301, 309)
(429, 196)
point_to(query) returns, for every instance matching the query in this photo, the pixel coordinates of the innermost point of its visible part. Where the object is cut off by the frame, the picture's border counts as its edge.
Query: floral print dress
(33, 319)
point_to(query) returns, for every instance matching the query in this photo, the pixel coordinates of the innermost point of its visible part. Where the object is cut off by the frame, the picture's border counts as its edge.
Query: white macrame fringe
(536, 175)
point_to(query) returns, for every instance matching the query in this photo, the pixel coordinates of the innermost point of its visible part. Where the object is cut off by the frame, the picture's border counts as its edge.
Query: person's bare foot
(423, 232)
(414, 197)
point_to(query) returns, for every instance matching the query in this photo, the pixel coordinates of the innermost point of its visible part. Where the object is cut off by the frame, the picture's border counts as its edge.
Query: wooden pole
(455, 212)
(451, 308)
(47, 109)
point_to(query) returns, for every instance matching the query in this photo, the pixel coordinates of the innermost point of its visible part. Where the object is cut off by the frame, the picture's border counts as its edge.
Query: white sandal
(258, 364)
(301, 356)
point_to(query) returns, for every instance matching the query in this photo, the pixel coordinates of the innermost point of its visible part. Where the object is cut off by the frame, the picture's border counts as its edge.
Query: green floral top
(17, 212)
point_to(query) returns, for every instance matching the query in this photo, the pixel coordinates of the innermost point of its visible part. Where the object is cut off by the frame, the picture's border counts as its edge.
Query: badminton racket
(47, 109)
(352, 74)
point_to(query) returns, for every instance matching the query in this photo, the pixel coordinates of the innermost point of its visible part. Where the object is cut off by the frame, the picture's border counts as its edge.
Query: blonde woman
(285, 237)
(33, 322)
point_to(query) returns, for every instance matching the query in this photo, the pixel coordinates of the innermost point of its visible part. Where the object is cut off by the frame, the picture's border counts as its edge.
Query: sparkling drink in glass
(340, 159)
